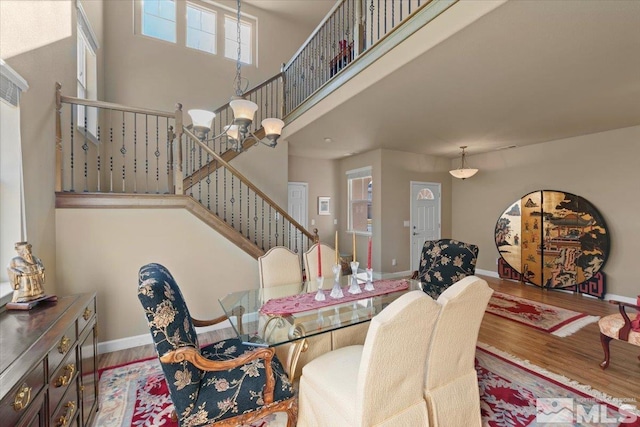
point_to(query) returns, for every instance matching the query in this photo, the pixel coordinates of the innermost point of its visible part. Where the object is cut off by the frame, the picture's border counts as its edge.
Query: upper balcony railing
(348, 30)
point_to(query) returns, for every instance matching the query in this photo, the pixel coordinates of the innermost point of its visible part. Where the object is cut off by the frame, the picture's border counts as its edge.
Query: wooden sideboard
(48, 364)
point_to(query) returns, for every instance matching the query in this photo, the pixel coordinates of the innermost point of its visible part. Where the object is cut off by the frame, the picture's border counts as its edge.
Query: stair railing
(111, 148)
(349, 29)
(233, 198)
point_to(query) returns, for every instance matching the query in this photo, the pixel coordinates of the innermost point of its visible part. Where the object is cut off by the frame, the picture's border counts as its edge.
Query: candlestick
(355, 258)
(369, 254)
(319, 260)
(369, 285)
(336, 247)
(336, 291)
(355, 287)
(320, 294)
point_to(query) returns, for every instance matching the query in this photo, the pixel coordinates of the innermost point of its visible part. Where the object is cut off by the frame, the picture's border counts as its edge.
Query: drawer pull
(64, 345)
(64, 420)
(22, 399)
(87, 314)
(66, 379)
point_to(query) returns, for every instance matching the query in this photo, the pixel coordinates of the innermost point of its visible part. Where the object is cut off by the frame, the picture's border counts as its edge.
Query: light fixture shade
(232, 131)
(463, 173)
(201, 118)
(243, 109)
(272, 126)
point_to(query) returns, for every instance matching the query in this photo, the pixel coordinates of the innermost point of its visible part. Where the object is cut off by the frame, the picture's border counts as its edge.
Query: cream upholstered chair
(279, 266)
(328, 257)
(451, 382)
(622, 326)
(380, 383)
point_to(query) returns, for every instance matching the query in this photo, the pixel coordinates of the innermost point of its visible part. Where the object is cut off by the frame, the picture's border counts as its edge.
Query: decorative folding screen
(554, 239)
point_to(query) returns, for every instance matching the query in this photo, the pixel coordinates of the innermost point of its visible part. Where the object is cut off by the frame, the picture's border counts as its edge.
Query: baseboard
(395, 275)
(138, 340)
(607, 296)
(487, 273)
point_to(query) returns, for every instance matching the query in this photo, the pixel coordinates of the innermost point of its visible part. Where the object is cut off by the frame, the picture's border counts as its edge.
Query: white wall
(101, 250)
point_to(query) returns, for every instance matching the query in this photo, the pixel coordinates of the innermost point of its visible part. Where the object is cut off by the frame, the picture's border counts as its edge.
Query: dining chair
(621, 326)
(279, 266)
(328, 258)
(444, 262)
(451, 381)
(379, 383)
(223, 384)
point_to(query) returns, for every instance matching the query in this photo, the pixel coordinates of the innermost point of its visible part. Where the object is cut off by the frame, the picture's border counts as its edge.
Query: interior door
(425, 217)
(297, 207)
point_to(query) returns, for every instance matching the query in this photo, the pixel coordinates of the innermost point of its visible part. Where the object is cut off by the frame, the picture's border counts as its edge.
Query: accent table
(269, 330)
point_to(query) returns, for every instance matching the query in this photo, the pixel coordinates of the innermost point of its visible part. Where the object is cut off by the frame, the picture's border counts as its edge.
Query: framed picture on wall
(324, 205)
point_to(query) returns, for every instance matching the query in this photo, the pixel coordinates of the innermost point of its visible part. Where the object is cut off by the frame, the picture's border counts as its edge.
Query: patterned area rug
(555, 320)
(513, 393)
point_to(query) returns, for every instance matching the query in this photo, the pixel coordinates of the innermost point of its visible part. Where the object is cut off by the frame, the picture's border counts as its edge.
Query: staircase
(110, 155)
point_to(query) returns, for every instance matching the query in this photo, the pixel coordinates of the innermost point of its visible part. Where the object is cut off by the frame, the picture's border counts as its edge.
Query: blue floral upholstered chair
(223, 384)
(444, 262)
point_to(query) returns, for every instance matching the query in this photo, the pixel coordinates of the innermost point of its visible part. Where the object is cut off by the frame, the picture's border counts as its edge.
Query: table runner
(304, 302)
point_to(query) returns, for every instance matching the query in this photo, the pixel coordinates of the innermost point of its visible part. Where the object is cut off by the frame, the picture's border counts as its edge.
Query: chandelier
(243, 112)
(463, 172)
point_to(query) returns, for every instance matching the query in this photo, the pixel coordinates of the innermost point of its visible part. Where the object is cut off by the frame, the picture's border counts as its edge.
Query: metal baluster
(196, 168)
(217, 187)
(393, 13)
(157, 154)
(262, 230)
(233, 201)
(400, 20)
(135, 152)
(146, 152)
(371, 8)
(385, 17)
(283, 233)
(169, 132)
(98, 148)
(123, 151)
(240, 207)
(73, 107)
(385, 7)
(85, 148)
(224, 195)
(255, 219)
(111, 146)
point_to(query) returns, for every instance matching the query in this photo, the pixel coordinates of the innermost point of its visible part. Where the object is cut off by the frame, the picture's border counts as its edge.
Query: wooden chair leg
(292, 413)
(605, 340)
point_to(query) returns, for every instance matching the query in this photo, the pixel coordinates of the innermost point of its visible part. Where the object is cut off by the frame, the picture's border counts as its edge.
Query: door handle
(414, 233)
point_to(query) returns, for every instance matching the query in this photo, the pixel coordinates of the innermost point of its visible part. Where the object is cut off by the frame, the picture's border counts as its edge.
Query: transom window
(159, 19)
(360, 186)
(201, 29)
(231, 40)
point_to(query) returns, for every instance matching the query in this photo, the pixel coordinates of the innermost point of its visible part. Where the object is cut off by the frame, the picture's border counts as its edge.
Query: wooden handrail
(112, 106)
(248, 183)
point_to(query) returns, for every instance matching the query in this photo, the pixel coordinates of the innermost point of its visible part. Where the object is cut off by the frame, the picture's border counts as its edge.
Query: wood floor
(576, 357)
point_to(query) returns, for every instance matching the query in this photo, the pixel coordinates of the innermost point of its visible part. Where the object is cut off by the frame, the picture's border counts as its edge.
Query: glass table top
(259, 329)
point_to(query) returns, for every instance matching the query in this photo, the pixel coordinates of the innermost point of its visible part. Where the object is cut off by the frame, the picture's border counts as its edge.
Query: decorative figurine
(26, 275)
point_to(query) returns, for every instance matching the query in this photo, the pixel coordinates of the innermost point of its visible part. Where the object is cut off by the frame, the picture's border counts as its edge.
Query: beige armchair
(380, 383)
(451, 382)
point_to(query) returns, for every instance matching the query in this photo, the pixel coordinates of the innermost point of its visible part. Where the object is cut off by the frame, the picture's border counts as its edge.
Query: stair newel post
(177, 151)
(316, 238)
(358, 28)
(58, 137)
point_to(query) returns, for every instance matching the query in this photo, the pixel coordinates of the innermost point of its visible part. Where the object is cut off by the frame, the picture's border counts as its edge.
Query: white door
(425, 217)
(297, 207)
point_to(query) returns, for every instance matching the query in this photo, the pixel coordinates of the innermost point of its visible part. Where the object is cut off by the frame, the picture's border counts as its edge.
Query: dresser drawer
(17, 402)
(66, 413)
(63, 379)
(62, 347)
(87, 315)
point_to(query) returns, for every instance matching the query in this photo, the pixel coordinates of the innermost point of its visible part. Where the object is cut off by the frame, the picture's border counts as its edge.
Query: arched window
(425, 194)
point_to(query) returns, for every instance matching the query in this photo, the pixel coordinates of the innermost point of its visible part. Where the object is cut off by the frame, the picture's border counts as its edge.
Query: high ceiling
(526, 72)
(307, 12)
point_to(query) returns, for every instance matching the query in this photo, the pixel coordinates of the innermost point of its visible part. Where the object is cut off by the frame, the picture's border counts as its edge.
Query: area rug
(543, 317)
(513, 393)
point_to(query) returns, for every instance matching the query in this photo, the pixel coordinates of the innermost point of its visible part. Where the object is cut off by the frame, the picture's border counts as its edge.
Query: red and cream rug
(543, 317)
(514, 393)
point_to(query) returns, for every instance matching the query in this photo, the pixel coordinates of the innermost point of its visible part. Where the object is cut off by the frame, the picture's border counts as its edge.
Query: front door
(297, 208)
(425, 217)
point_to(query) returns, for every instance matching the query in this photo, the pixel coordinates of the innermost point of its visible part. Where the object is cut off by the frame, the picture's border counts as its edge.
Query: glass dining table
(269, 317)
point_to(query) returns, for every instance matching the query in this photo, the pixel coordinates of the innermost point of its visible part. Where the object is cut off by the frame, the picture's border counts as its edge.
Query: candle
(337, 247)
(354, 247)
(319, 260)
(369, 254)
